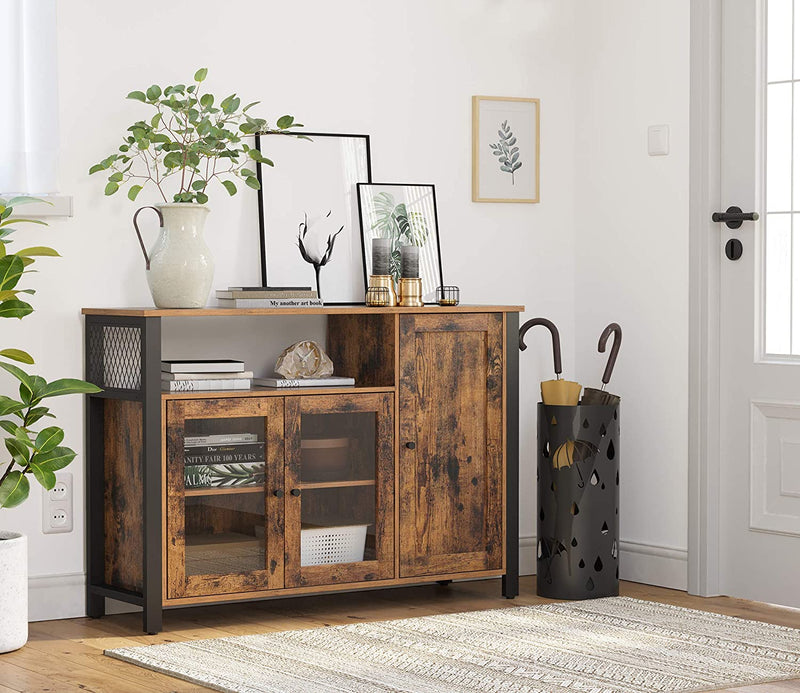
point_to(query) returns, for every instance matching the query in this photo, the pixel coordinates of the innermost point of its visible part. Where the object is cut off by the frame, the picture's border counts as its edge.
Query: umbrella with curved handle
(558, 391)
(592, 395)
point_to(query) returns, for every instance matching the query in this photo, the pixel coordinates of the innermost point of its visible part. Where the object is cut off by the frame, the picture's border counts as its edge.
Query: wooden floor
(68, 655)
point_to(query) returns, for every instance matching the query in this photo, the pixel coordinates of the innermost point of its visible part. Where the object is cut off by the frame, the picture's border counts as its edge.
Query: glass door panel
(224, 496)
(341, 456)
(224, 509)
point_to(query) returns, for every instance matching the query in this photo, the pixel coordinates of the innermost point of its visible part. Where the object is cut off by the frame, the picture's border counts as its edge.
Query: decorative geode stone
(304, 359)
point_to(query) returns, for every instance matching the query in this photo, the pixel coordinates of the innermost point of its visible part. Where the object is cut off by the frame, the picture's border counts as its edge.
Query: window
(29, 118)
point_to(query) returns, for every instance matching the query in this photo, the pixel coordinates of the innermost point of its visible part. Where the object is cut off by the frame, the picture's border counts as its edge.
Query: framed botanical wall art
(309, 229)
(505, 149)
(406, 213)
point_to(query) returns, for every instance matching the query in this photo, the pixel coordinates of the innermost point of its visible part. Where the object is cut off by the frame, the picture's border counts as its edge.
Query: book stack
(223, 461)
(210, 374)
(329, 381)
(268, 297)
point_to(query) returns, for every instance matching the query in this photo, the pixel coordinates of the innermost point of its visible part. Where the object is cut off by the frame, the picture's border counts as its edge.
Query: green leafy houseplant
(28, 448)
(193, 137)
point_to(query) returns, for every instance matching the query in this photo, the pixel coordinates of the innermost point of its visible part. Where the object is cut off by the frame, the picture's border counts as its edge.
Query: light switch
(658, 140)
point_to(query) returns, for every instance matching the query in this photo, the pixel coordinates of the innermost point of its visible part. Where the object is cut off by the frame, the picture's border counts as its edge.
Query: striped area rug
(613, 645)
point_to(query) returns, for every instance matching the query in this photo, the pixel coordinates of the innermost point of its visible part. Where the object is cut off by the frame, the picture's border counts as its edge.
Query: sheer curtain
(29, 112)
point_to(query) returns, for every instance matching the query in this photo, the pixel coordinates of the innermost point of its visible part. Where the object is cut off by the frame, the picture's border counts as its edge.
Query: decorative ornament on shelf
(191, 139)
(381, 280)
(305, 359)
(410, 283)
(448, 295)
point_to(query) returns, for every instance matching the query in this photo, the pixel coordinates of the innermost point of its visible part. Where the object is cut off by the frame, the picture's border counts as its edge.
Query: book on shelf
(330, 381)
(211, 384)
(270, 302)
(219, 439)
(223, 476)
(266, 293)
(229, 453)
(269, 288)
(206, 376)
(202, 366)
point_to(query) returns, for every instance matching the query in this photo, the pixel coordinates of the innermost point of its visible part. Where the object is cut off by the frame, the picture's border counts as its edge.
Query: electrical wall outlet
(57, 505)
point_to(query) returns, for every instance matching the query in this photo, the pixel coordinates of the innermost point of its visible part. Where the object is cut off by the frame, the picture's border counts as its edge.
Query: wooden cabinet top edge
(325, 310)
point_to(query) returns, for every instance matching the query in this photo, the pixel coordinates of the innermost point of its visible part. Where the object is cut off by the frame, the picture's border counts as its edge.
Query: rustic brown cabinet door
(451, 444)
(224, 496)
(339, 488)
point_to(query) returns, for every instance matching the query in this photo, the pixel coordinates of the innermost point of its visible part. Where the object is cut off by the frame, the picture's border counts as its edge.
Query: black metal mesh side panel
(577, 544)
(114, 356)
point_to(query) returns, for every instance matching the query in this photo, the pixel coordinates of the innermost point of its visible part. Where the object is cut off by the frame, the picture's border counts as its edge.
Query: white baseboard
(646, 563)
(64, 596)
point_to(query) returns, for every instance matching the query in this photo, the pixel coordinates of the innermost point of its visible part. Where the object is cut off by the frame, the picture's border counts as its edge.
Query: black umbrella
(592, 395)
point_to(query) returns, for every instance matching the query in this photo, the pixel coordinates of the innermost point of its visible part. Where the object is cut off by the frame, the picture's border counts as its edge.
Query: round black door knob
(411, 445)
(279, 493)
(295, 491)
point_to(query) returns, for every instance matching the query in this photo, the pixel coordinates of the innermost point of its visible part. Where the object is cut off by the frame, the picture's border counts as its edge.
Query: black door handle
(295, 491)
(279, 493)
(733, 217)
(411, 445)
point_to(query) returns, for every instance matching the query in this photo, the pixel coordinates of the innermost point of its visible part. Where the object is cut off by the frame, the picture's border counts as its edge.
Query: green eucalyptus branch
(189, 132)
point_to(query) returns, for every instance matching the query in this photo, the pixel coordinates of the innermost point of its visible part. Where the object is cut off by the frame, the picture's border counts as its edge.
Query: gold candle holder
(386, 281)
(411, 292)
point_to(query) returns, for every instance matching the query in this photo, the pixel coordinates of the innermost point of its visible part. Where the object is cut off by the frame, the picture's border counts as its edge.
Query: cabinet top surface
(325, 310)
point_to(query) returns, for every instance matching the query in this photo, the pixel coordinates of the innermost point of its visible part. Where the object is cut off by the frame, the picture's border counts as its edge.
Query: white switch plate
(57, 505)
(658, 140)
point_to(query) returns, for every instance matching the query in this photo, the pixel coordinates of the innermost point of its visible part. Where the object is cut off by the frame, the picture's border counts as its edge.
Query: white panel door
(760, 303)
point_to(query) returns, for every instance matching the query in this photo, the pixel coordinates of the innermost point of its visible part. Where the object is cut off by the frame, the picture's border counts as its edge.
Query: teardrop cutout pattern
(590, 584)
(539, 548)
(614, 549)
(546, 449)
(585, 423)
(603, 430)
(617, 481)
(598, 565)
(541, 514)
(574, 541)
(574, 510)
(604, 529)
(553, 421)
(602, 487)
(581, 563)
(594, 479)
(610, 452)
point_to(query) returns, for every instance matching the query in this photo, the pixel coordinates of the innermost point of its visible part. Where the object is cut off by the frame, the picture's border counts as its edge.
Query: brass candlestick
(411, 292)
(386, 281)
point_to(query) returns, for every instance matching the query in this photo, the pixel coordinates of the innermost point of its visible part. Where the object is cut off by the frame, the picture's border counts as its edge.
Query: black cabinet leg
(152, 620)
(510, 586)
(95, 606)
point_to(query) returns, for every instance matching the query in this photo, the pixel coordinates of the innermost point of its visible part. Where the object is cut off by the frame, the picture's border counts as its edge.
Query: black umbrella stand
(577, 544)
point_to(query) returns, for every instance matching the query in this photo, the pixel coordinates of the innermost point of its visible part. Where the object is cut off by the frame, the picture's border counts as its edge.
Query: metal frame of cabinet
(127, 521)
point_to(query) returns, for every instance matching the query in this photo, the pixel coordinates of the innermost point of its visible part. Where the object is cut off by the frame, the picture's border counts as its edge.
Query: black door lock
(733, 249)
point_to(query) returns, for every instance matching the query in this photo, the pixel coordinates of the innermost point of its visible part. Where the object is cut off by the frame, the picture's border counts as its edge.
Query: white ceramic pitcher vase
(179, 267)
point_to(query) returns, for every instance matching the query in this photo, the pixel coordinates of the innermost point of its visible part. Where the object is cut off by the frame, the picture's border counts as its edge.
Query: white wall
(404, 73)
(632, 240)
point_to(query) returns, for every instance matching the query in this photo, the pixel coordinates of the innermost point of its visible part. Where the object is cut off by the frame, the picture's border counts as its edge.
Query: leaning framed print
(309, 232)
(505, 149)
(405, 213)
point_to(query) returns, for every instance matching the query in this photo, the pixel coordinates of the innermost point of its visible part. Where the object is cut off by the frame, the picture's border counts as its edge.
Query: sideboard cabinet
(409, 477)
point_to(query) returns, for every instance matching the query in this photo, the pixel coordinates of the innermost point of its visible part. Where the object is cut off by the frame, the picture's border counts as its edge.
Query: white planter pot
(13, 591)
(180, 268)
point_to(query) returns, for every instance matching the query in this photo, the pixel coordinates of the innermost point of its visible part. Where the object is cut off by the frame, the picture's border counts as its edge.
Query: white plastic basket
(324, 545)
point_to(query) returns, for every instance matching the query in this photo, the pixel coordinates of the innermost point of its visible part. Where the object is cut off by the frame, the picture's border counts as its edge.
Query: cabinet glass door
(340, 484)
(224, 496)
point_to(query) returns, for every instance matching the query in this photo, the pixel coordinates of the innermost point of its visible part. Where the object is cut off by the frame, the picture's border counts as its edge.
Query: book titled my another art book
(332, 381)
(270, 302)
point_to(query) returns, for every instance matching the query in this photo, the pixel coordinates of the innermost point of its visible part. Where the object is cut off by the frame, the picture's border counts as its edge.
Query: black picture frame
(263, 230)
(429, 289)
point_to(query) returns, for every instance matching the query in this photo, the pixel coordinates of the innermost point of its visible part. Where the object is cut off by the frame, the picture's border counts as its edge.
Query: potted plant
(191, 139)
(30, 449)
